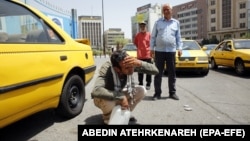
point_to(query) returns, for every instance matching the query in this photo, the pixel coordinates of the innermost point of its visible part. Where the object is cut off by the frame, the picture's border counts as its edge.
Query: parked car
(131, 49)
(193, 58)
(42, 67)
(233, 53)
(207, 48)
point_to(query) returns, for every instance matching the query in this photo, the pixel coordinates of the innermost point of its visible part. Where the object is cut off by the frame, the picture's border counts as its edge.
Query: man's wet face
(125, 69)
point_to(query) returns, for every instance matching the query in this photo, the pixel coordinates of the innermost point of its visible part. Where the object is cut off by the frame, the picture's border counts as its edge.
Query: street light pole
(104, 49)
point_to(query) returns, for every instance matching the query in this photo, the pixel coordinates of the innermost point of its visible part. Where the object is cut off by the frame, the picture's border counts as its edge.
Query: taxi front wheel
(213, 64)
(72, 97)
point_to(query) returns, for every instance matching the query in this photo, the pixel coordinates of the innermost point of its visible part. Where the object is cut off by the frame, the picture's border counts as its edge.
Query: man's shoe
(174, 96)
(132, 119)
(148, 87)
(156, 98)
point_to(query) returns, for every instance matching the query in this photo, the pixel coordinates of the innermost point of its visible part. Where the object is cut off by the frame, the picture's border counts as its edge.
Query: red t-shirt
(142, 42)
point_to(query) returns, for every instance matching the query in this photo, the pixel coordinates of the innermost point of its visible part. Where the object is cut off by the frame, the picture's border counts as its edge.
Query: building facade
(147, 13)
(193, 19)
(90, 27)
(192, 16)
(111, 36)
(202, 19)
(228, 18)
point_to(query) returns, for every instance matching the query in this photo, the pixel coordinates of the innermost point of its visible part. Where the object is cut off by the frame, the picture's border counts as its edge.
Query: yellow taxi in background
(131, 49)
(234, 53)
(42, 67)
(193, 58)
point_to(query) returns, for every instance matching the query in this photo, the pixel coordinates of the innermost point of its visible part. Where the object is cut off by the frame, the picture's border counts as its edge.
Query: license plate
(186, 64)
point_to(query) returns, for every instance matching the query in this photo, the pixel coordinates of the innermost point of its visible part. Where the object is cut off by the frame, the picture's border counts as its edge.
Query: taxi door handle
(62, 58)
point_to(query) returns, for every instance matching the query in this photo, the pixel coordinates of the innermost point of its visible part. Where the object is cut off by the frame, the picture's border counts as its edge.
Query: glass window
(226, 13)
(20, 25)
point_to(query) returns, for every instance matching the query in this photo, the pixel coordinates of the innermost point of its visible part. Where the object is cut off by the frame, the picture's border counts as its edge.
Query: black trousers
(148, 76)
(162, 59)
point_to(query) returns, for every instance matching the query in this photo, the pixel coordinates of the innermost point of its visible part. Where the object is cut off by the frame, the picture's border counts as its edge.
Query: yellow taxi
(193, 59)
(42, 67)
(234, 53)
(131, 49)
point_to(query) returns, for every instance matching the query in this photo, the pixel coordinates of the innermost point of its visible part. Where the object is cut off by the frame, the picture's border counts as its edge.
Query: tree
(205, 41)
(213, 40)
(120, 42)
(246, 36)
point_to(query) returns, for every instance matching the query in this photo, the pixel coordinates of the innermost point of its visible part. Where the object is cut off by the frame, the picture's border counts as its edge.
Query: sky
(117, 13)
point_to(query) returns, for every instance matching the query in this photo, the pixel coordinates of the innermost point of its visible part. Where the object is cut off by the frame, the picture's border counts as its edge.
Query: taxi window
(190, 45)
(244, 44)
(220, 47)
(19, 25)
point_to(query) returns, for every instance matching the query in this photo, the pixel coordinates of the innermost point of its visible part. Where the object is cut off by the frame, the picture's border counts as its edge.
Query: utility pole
(104, 49)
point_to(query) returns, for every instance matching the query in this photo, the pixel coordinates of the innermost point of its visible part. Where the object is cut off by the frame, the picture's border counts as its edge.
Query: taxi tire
(213, 64)
(72, 98)
(239, 67)
(204, 72)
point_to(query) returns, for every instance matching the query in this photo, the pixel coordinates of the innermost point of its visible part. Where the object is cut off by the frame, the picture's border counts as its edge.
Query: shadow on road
(28, 127)
(231, 72)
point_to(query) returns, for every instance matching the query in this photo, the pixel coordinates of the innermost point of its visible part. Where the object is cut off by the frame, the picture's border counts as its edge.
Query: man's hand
(124, 103)
(152, 53)
(179, 53)
(131, 61)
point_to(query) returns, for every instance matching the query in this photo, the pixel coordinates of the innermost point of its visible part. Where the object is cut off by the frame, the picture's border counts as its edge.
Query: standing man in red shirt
(142, 42)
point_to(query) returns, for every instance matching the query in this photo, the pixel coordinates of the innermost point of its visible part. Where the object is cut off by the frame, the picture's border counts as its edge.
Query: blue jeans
(162, 58)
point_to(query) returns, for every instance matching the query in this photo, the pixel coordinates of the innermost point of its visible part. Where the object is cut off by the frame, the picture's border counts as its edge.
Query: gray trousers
(107, 105)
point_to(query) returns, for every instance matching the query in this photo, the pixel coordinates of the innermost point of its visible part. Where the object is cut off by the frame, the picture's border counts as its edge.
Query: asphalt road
(220, 98)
